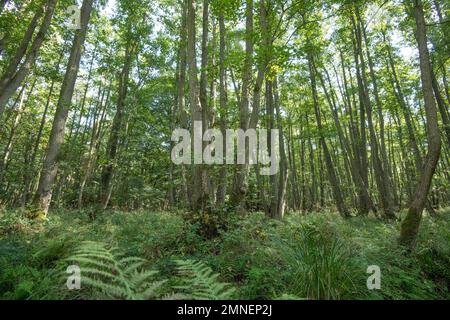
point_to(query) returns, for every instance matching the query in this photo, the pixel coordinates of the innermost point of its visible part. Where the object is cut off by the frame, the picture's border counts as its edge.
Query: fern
(200, 283)
(103, 269)
(118, 278)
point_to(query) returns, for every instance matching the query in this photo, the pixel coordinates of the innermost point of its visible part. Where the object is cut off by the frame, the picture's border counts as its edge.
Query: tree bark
(13, 79)
(283, 171)
(114, 138)
(250, 120)
(93, 145)
(443, 108)
(199, 195)
(8, 148)
(410, 226)
(240, 179)
(381, 178)
(181, 92)
(41, 202)
(340, 204)
(223, 175)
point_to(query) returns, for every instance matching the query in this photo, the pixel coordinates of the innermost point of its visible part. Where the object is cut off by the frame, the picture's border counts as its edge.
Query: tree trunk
(199, 196)
(240, 183)
(354, 163)
(13, 79)
(43, 196)
(93, 145)
(240, 179)
(114, 138)
(283, 171)
(181, 92)
(21, 50)
(223, 175)
(443, 108)
(31, 164)
(364, 198)
(340, 204)
(381, 178)
(410, 226)
(385, 165)
(8, 148)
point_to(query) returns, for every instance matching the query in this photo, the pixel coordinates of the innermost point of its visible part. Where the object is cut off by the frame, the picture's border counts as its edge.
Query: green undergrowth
(159, 255)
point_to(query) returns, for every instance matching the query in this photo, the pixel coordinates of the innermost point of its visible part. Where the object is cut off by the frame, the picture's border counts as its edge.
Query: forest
(120, 177)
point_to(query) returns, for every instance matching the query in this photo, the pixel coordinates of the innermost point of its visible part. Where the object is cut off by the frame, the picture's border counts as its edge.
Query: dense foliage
(93, 94)
(318, 256)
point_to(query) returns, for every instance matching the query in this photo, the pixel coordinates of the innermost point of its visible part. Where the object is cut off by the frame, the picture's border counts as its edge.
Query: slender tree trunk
(204, 65)
(273, 179)
(114, 138)
(14, 63)
(364, 198)
(31, 163)
(181, 88)
(340, 204)
(414, 145)
(223, 175)
(240, 183)
(384, 165)
(11, 81)
(240, 179)
(354, 163)
(86, 88)
(293, 166)
(49, 171)
(203, 96)
(93, 145)
(381, 178)
(442, 24)
(199, 196)
(443, 108)
(283, 171)
(410, 226)
(313, 172)
(8, 148)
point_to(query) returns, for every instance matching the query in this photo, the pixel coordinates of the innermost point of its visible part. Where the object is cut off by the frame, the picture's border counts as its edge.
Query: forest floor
(315, 256)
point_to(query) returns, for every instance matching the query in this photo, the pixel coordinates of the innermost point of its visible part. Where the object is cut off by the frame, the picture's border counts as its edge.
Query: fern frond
(117, 277)
(139, 277)
(133, 267)
(201, 283)
(150, 292)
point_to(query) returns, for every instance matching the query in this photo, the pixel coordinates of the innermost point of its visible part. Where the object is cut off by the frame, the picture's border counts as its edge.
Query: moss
(410, 229)
(36, 213)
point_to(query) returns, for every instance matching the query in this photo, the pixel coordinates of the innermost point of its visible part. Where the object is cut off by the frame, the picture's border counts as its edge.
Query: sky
(407, 53)
(109, 8)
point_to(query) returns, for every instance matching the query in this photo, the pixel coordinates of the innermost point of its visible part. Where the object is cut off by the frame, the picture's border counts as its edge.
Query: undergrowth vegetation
(159, 255)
